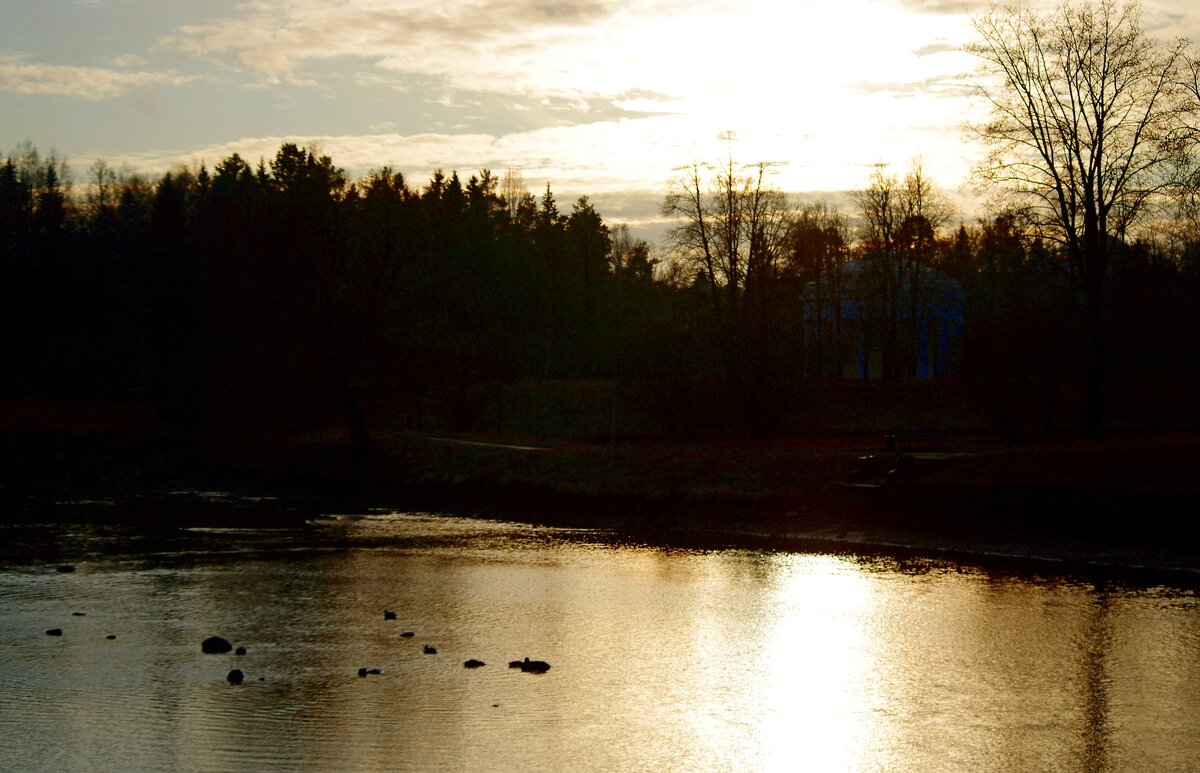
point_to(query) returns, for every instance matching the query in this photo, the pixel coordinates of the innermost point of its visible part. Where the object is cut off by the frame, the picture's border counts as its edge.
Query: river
(662, 658)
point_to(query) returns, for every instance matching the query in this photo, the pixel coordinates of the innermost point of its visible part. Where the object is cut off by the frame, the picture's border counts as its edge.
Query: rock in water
(54, 632)
(236, 676)
(66, 568)
(429, 650)
(215, 645)
(240, 651)
(473, 663)
(534, 666)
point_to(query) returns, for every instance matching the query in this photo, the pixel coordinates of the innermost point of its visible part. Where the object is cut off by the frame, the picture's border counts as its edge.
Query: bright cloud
(774, 70)
(753, 50)
(91, 83)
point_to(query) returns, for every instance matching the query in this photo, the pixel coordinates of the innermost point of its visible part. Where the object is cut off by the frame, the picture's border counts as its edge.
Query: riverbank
(1123, 499)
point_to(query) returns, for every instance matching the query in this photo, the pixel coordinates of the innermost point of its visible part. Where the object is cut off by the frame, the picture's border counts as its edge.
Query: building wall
(939, 331)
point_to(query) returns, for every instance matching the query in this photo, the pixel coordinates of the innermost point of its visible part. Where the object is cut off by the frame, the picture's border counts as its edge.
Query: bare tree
(925, 209)
(512, 190)
(1085, 136)
(881, 209)
(818, 244)
(101, 192)
(1187, 225)
(731, 228)
(731, 232)
(900, 219)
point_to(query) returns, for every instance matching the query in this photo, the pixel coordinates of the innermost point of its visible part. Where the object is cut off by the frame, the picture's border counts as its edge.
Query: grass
(122, 445)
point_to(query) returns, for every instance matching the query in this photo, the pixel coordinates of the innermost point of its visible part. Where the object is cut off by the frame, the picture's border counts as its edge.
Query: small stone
(215, 645)
(407, 635)
(66, 568)
(389, 614)
(429, 650)
(534, 666)
(236, 676)
(240, 651)
(54, 632)
(78, 614)
(111, 636)
(473, 663)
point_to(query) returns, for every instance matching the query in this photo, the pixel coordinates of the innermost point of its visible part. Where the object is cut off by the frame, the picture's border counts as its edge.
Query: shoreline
(1058, 504)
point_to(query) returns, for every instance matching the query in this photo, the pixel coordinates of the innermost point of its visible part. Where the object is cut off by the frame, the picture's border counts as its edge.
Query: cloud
(953, 88)
(569, 13)
(129, 60)
(91, 83)
(591, 96)
(586, 159)
(947, 7)
(276, 39)
(936, 48)
(523, 65)
(1165, 19)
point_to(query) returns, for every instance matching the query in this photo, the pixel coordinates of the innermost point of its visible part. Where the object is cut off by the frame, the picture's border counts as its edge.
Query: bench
(922, 437)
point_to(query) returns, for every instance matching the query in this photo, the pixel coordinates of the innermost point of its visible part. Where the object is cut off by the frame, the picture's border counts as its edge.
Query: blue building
(860, 318)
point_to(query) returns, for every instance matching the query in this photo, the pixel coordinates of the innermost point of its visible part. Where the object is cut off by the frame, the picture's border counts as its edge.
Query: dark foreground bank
(1125, 499)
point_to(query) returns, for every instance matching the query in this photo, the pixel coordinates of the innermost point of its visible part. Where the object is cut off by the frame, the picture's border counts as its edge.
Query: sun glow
(603, 100)
(816, 668)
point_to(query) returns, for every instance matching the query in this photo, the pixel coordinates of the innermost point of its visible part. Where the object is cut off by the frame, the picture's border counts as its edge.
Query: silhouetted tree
(881, 281)
(818, 249)
(588, 244)
(16, 225)
(1085, 136)
(898, 243)
(1022, 330)
(731, 231)
(309, 276)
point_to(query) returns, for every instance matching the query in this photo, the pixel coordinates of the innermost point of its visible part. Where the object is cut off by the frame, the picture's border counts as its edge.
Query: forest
(285, 295)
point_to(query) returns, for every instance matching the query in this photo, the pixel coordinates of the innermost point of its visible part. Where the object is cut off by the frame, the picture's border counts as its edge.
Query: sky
(604, 98)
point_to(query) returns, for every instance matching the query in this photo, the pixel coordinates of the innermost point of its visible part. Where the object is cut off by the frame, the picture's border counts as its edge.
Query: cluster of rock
(218, 645)
(70, 569)
(527, 666)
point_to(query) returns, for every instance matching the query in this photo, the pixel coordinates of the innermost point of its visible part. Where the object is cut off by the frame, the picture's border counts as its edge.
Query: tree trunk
(360, 439)
(1095, 396)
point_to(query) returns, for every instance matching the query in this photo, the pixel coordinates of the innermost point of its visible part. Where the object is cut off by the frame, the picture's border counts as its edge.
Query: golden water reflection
(662, 659)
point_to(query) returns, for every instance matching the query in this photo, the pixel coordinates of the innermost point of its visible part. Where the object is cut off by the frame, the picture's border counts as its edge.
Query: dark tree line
(283, 294)
(1028, 326)
(1091, 137)
(767, 293)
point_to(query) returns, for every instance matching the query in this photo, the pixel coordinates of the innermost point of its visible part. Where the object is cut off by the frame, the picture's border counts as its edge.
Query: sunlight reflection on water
(662, 659)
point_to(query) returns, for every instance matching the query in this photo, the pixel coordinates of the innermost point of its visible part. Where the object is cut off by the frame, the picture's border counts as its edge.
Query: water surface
(662, 658)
